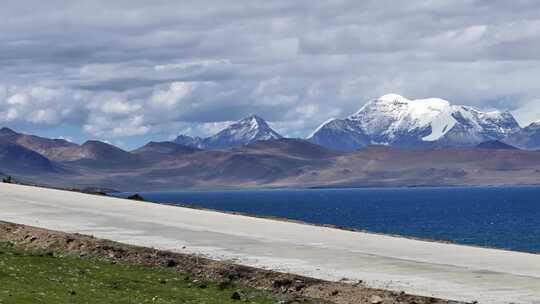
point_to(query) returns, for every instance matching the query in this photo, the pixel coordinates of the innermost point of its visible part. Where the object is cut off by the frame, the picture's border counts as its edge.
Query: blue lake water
(495, 217)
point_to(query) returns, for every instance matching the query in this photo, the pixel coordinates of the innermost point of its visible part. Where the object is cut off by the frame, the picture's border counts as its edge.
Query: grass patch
(36, 277)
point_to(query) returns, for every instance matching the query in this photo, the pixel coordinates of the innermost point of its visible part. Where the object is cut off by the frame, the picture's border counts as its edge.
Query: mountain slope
(495, 144)
(97, 150)
(16, 159)
(257, 164)
(527, 138)
(60, 150)
(291, 147)
(53, 149)
(396, 120)
(243, 132)
(155, 151)
(391, 166)
(340, 135)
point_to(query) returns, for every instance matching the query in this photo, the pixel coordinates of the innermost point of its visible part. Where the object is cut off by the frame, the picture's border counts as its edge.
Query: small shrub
(136, 197)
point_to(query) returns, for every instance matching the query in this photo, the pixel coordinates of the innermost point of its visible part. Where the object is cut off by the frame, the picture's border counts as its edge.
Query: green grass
(31, 277)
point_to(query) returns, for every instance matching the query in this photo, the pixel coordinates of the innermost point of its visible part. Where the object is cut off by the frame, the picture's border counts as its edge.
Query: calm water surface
(496, 217)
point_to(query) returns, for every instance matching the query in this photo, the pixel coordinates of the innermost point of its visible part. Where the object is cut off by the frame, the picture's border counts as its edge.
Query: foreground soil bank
(232, 280)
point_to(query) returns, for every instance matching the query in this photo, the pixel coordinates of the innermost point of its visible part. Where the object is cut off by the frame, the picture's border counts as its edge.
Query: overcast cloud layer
(131, 71)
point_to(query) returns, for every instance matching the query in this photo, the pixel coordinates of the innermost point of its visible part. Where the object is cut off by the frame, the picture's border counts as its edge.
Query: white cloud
(43, 116)
(211, 128)
(119, 107)
(176, 92)
(39, 105)
(9, 115)
(528, 112)
(169, 66)
(18, 99)
(108, 128)
(192, 64)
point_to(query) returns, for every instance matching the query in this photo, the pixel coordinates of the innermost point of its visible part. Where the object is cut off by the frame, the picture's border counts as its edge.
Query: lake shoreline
(115, 194)
(334, 226)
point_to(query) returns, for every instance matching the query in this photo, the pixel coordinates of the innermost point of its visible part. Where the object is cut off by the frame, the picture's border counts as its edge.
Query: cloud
(143, 69)
(174, 94)
(118, 107)
(192, 65)
(40, 105)
(528, 112)
(102, 126)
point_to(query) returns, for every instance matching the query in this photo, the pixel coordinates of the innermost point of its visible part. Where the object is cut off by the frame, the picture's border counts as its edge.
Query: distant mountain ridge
(241, 133)
(280, 162)
(395, 120)
(390, 120)
(60, 150)
(50, 148)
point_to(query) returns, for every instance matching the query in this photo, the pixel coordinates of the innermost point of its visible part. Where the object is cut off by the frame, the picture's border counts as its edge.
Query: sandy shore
(418, 267)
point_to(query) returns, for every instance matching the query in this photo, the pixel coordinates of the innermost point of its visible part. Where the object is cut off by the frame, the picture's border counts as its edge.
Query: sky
(129, 71)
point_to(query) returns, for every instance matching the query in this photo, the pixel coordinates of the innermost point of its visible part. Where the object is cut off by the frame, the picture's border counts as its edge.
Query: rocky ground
(288, 287)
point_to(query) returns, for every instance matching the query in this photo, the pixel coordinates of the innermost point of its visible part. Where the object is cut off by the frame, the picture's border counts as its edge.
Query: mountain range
(60, 150)
(390, 120)
(167, 166)
(391, 141)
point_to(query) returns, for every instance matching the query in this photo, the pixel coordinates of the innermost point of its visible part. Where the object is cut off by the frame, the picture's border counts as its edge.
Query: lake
(490, 216)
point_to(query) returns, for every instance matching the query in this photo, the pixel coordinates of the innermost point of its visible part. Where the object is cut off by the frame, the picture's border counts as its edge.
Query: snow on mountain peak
(253, 122)
(392, 98)
(390, 113)
(242, 132)
(249, 129)
(534, 125)
(395, 120)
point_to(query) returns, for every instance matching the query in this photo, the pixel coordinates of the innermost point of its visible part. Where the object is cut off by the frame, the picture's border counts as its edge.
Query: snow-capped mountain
(396, 120)
(243, 132)
(527, 138)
